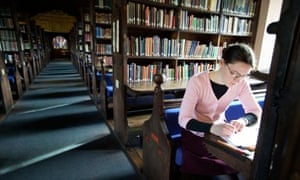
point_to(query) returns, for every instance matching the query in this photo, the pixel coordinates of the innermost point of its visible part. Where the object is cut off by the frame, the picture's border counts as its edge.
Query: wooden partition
(103, 94)
(6, 94)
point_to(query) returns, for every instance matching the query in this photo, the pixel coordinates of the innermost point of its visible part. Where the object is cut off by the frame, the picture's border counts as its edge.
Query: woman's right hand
(222, 129)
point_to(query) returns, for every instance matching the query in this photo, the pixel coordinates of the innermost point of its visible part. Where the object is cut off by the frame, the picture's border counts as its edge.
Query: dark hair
(238, 53)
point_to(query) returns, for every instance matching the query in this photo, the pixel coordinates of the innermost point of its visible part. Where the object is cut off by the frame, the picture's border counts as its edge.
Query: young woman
(206, 98)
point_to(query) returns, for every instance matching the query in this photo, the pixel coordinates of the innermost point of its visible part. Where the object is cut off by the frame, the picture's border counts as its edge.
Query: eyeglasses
(235, 74)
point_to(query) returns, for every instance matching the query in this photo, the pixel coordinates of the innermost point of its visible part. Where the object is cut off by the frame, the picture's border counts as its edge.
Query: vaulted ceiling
(52, 15)
(55, 21)
(33, 7)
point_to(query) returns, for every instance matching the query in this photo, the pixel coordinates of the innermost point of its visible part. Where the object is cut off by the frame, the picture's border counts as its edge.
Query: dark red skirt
(197, 160)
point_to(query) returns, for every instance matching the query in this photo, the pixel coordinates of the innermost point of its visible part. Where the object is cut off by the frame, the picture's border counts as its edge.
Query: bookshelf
(175, 38)
(82, 52)
(102, 52)
(94, 42)
(87, 45)
(10, 47)
(78, 48)
(36, 58)
(80, 44)
(39, 46)
(103, 34)
(26, 46)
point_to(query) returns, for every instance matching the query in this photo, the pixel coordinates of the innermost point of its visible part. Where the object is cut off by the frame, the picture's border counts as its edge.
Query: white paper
(247, 137)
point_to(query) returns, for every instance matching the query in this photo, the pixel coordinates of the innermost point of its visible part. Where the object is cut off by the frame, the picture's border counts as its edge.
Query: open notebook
(247, 138)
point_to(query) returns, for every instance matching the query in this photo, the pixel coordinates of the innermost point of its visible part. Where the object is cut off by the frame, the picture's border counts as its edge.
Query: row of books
(208, 5)
(86, 17)
(9, 46)
(104, 18)
(7, 35)
(236, 25)
(26, 46)
(151, 46)
(104, 3)
(193, 48)
(6, 23)
(87, 47)
(103, 32)
(138, 73)
(80, 32)
(198, 24)
(87, 37)
(87, 27)
(107, 61)
(141, 14)
(164, 47)
(169, 2)
(103, 49)
(244, 7)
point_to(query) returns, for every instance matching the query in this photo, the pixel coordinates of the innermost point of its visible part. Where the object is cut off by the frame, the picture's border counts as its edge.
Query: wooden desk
(148, 87)
(236, 158)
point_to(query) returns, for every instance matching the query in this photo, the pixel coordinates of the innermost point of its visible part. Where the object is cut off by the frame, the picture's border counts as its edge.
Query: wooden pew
(6, 95)
(157, 145)
(106, 89)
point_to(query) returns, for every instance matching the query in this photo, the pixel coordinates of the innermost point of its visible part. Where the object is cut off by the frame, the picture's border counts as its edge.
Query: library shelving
(26, 46)
(79, 47)
(41, 46)
(175, 38)
(40, 34)
(76, 47)
(103, 34)
(10, 47)
(36, 54)
(94, 42)
(102, 52)
(87, 45)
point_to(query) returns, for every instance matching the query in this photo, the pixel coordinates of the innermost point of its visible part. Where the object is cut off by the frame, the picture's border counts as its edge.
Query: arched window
(59, 42)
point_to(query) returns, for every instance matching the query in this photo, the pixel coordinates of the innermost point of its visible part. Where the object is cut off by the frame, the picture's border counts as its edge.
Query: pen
(226, 121)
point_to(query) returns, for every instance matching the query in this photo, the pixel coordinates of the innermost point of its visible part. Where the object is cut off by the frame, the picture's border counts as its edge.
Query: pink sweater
(199, 101)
